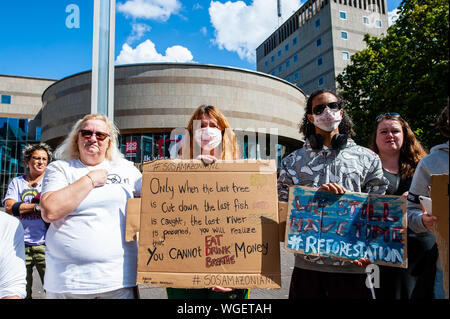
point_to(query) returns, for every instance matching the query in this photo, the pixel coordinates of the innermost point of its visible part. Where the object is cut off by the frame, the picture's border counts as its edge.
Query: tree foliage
(405, 71)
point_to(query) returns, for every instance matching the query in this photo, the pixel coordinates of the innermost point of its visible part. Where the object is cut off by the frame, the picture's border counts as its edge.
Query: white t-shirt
(86, 250)
(33, 225)
(12, 258)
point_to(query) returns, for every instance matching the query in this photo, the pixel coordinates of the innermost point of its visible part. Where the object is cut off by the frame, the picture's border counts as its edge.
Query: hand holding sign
(362, 262)
(359, 227)
(428, 220)
(207, 159)
(333, 188)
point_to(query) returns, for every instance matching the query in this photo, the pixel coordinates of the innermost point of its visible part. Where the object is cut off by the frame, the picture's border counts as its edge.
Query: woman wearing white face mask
(210, 136)
(331, 161)
(210, 139)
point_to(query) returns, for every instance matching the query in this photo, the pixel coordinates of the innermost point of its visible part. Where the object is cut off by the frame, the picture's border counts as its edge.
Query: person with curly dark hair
(22, 200)
(331, 161)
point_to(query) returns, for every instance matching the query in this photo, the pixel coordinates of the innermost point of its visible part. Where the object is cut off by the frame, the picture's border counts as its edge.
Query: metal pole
(102, 87)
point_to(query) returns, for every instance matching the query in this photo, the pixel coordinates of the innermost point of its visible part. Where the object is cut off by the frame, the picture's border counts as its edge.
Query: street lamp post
(102, 89)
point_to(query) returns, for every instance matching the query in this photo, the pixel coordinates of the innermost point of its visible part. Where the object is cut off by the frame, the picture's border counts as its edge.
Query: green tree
(405, 71)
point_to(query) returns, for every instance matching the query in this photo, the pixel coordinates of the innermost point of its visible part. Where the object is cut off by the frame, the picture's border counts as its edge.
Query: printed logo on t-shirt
(28, 194)
(116, 179)
(26, 197)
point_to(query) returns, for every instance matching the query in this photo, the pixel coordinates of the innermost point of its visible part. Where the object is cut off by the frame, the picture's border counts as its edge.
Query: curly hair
(411, 151)
(307, 128)
(31, 148)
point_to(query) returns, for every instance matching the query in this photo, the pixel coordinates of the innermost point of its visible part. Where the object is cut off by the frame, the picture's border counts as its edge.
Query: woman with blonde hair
(210, 139)
(84, 197)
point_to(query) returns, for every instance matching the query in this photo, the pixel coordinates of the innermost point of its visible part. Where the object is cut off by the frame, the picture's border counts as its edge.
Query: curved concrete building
(153, 99)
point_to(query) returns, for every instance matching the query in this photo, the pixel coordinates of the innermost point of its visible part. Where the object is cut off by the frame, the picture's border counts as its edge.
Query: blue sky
(36, 41)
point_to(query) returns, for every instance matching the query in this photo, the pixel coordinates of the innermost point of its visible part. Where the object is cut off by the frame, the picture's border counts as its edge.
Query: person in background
(330, 161)
(84, 197)
(419, 221)
(22, 201)
(210, 139)
(400, 152)
(12, 258)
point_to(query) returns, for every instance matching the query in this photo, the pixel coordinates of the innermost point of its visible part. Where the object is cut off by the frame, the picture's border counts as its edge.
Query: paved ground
(287, 263)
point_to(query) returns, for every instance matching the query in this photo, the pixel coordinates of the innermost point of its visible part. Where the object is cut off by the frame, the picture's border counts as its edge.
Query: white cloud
(242, 28)
(137, 32)
(146, 52)
(204, 31)
(149, 9)
(393, 16)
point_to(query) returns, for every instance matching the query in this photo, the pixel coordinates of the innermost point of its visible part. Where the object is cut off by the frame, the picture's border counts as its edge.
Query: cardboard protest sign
(439, 197)
(133, 219)
(202, 226)
(282, 215)
(349, 226)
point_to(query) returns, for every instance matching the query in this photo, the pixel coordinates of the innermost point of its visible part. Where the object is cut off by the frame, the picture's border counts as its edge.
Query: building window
(294, 41)
(279, 53)
(288, 63)
(319, 61)
(296, 76)
(320, 81)
(286, 47)
(38, 133)
(378, 23)
(317, 23)
(343, 15)
(14, 136)
(345, 55)
(266, 63)
(365, 20)
(280, 69)
(272, 59)
(318, 42)
(6, 99)
(288, 79)
(295, 58)
(344, 35)
(273, 72)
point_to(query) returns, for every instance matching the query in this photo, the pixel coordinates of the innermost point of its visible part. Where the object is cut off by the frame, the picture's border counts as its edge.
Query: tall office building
(315, 44)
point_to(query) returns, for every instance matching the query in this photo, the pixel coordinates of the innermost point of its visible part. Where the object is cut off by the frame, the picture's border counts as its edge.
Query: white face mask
(329, 120)
(208, 138)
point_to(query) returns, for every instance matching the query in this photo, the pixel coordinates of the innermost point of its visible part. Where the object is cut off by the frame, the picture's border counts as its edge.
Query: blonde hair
(229, 144)
(68, 150)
